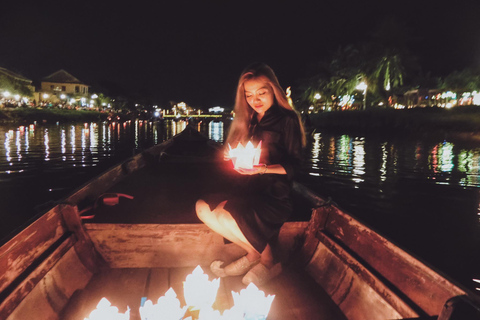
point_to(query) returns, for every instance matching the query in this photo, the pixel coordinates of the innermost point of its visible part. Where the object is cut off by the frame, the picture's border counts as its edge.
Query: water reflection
(85, 144)
(347, 156)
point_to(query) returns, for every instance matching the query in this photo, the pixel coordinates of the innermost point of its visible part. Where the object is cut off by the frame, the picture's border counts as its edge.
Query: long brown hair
(243, 112)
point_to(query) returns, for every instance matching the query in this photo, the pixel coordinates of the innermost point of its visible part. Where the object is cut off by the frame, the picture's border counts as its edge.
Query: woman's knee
(203, 210)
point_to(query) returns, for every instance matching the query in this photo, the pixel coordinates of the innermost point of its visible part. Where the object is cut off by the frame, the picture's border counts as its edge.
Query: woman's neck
(260, 116)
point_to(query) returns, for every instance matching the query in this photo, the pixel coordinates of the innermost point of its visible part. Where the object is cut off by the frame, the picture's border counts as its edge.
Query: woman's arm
(263, 169)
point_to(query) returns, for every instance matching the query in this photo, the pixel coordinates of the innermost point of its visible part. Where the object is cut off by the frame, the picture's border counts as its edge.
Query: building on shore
(62, 86)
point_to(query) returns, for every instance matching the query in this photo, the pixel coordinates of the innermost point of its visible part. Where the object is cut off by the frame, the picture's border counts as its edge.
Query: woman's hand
(226, 155)
(257, 169)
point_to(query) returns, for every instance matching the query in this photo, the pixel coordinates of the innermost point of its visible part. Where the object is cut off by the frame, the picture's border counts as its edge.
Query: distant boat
(144, 238)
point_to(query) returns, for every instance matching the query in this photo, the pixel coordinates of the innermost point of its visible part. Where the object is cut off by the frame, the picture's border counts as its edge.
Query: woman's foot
(241, 266)
(236, 268)
(261, 274)
(217, 268)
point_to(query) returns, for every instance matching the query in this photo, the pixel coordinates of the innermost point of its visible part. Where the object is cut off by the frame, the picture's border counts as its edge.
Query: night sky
(194, 51)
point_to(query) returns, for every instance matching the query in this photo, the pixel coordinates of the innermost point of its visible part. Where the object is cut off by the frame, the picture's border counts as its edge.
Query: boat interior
(132, 233)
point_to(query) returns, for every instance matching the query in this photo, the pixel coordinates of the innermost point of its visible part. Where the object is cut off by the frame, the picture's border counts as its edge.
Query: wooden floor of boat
(297, 296)
(167, 192)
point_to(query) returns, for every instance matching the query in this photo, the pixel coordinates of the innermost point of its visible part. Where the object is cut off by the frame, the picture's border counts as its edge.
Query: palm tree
(388, 74)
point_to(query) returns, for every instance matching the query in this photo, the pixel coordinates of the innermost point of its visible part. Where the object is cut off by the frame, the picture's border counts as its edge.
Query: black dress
(260, 204)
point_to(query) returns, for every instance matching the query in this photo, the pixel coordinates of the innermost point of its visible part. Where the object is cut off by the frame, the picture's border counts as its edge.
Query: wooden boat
(60, 266)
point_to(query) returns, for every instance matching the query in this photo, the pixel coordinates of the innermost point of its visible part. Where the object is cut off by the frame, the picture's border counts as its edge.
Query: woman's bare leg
(222, 222)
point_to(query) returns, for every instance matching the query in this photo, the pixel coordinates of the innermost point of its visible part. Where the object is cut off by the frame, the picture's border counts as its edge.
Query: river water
(422, 193)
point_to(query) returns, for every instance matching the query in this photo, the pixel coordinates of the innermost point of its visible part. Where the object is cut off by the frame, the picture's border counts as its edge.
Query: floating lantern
(199, 292)
(253, 302)
(105, 311)
(167, 308)
(245, 157)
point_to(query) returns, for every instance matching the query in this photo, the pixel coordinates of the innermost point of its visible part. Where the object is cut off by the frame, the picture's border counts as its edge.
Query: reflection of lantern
(167, 308)
(245, 157)
(253, 302)
(105, 311)
(199, 291)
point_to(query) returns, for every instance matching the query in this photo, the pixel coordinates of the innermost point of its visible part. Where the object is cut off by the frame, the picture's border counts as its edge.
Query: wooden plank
(95, 187)
(369, 279)
(22, 289)
(310, 241)
(356, 299)
(425, 287)
(172, 245)
(53, 291)
(84, 245)
(297, 296)
(122, 287)
(159, 245)
(177, 277)
(158, 284)
(19, 253)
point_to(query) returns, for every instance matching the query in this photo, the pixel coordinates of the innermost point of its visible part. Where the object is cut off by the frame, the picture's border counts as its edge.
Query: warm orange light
(245, 157)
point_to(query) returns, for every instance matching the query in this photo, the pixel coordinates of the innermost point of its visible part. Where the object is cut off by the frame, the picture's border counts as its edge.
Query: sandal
(260, 274)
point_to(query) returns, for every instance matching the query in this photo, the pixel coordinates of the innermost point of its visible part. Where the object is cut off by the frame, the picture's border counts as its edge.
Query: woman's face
(259, 94)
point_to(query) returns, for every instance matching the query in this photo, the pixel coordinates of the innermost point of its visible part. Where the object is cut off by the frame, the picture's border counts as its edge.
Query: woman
(253, 216)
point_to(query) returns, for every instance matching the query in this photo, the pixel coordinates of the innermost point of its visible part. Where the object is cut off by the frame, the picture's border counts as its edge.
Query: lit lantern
(253, 302)
(210, 314)
(105, 311)
(199, 292)
(245, 157)
(167, 308)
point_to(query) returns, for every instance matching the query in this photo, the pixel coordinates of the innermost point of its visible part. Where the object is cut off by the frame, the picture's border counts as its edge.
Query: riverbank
(460, 121)
(23, 115)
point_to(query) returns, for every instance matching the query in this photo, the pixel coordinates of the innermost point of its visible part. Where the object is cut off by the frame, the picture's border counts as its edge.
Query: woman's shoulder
(286, 113)
(289, 115)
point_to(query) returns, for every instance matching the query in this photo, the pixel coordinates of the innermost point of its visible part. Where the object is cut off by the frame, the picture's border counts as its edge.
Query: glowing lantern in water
(245, 157)
(105, 311)
(199, 292)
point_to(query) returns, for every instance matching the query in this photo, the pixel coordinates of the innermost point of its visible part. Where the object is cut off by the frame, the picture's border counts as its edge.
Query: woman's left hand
(257, 169)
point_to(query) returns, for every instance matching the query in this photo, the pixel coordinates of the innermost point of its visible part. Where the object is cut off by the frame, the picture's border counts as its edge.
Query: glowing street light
(363, 86)
(317, 96)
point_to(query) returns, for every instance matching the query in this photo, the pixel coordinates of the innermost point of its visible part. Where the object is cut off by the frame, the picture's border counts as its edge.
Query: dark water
(421, 193)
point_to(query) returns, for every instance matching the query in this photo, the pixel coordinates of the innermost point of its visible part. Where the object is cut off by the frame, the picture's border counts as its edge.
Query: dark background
(194, 51)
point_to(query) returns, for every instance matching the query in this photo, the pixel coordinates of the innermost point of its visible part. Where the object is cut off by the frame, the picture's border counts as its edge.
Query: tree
(15, 86)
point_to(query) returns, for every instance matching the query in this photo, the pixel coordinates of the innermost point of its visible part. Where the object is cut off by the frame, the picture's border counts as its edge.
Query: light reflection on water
(346, 156)
(84, 144)
(421, 193)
